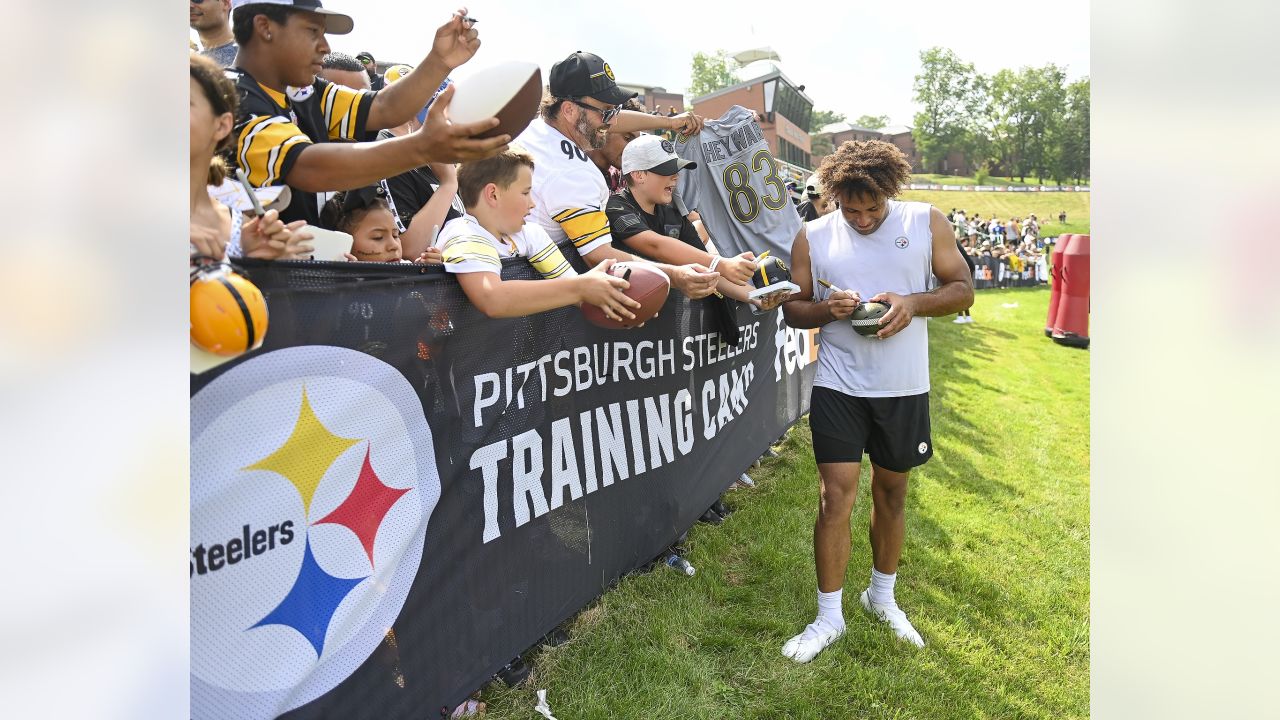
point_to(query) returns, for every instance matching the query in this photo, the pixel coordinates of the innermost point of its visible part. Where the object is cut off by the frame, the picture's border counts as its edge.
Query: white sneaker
(893, 615)
(959, 320)
(968, 319)
(816, 637)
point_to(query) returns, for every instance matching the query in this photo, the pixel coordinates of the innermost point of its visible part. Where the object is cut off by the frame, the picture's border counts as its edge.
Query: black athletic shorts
(894, 431)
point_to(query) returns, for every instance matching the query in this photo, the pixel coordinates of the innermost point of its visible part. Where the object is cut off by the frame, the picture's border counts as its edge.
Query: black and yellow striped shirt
(272, 129)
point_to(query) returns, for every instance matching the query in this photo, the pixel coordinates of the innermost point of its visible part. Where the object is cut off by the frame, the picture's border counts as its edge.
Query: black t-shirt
(627, 219)
(807, 211)
(272, 129)
(412, 190)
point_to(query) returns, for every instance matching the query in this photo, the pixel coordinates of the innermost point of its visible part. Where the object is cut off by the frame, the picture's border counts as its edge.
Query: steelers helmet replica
(228, 313)
(866, 317)
(770, 271)
(396, 72)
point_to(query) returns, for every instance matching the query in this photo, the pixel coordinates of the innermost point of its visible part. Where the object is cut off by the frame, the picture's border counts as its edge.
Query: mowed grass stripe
(995, 569)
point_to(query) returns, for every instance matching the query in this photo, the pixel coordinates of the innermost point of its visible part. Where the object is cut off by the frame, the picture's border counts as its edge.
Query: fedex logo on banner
(313, 478)
(795, 349)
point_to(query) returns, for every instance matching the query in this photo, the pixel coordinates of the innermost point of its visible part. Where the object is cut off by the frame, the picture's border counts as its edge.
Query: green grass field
(1005, 205)
(995, 569)
(938, 179)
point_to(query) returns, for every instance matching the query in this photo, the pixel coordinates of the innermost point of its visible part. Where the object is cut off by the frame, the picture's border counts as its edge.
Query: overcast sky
(853, 57)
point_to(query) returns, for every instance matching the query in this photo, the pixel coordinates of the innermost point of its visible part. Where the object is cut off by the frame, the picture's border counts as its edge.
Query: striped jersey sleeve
(537, 246)
(468, 252)
(346, 111)
(575, 201)
(267, 146)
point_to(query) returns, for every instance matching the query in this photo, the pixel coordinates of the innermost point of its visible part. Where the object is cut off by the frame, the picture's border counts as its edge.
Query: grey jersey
(738, 187)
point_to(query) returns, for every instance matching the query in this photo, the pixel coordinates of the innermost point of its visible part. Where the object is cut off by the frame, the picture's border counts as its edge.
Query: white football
(509, 91)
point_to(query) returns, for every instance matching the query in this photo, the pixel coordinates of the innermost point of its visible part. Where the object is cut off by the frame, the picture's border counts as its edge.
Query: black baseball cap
(584, 74)
(366, 55)
(335, 23)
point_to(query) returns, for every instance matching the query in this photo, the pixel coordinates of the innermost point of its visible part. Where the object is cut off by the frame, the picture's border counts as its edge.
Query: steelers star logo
(668, 147)
(608, 71)
(902, 243)
(299, 94)
(308, 524)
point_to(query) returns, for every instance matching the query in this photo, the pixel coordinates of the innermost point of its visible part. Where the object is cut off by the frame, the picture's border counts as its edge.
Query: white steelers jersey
(569, 193)
(467, 247)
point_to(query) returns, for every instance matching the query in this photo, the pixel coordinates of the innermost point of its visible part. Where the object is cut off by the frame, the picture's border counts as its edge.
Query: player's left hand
(455, 42)
(687, 124)
(694, 280)
(901, 310)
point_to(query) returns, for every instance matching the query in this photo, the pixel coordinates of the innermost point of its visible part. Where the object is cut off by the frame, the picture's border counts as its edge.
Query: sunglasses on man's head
(606, 114)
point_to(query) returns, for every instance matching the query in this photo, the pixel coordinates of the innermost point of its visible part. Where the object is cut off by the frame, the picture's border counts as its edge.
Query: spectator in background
(815, 204)
(211, 19)
(496, 193)
(1062, 217)
(569, 193)
(370, 66)
(288, 118)
(342, 69)
(965, 317)
(609, 158)
(423, 198)
(217, 230)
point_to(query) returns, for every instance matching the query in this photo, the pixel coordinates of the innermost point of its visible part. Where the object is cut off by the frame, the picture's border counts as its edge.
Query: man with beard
(211, 19)
(569, 192)
(290, 122)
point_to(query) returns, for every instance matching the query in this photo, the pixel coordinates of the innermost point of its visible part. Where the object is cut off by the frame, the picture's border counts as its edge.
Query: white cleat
(893, 615)
(959, 320)
(816, 637)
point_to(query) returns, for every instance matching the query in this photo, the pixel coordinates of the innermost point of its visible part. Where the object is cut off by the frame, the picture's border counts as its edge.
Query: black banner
(396, 495)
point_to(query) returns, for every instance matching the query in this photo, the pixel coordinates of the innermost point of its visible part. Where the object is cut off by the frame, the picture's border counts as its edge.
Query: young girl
(217, 230)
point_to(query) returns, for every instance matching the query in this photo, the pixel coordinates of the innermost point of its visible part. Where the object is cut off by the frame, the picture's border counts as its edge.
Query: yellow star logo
(304, 458)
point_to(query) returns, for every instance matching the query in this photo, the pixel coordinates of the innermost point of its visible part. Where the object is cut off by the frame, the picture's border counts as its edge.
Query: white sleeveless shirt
(897, 258)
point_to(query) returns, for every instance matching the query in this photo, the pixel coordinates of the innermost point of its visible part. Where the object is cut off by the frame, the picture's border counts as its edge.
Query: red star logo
(363, 510)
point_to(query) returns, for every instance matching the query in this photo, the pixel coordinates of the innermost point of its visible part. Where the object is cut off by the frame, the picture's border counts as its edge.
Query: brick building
(655, 98)
(955, 163)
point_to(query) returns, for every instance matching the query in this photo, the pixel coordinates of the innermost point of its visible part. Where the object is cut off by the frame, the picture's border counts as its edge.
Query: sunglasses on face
(606, 114)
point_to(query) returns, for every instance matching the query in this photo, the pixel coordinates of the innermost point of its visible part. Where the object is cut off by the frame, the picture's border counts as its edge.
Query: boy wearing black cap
(288, 118)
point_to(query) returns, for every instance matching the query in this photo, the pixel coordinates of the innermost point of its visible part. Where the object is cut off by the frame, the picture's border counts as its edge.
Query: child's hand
(603, 290)
(431, 256)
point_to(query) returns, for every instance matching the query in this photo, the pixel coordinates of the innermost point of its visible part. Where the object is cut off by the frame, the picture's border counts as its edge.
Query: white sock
(830, 607)
(882, 588)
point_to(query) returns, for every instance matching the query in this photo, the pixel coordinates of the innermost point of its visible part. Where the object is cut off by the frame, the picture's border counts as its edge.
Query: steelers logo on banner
(313, 478)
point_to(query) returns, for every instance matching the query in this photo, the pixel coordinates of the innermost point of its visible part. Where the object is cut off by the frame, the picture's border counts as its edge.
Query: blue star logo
(311, 602)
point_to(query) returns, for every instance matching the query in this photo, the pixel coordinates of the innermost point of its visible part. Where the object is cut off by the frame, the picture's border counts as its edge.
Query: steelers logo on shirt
(902, 243)
(299, 94)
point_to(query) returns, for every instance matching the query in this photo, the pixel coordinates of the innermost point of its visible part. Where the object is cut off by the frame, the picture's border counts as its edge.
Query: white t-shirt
(898, 258)
(467, 247)
(569, 193)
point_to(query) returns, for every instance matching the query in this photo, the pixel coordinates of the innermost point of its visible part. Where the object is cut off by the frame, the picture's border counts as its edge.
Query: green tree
(872, 122)
(1074, 160)
(822, 118)
(711, 73)
(1027, 108)
(952, 98)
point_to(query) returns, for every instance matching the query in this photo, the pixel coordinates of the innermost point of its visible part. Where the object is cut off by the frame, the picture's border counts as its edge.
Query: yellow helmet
(395, 72)
(228, 313)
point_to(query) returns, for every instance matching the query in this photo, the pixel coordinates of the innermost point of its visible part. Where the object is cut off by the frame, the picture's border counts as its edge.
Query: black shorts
(894, 431)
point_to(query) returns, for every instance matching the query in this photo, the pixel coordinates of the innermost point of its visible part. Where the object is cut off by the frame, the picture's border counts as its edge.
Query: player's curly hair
(867, 168)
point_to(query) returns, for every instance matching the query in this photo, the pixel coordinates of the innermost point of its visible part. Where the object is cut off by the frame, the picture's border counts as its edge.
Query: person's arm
(953, 294)
(396, 103)
(418, 236)
(736, 270)
(686, 124)
(694, 280)
(498, 298)
(324, 167)
(801, 311)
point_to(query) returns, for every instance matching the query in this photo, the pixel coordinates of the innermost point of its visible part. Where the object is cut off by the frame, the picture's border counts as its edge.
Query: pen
(244, 182)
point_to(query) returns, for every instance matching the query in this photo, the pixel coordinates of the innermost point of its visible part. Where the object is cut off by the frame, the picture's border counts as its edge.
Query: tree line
(1021, 123)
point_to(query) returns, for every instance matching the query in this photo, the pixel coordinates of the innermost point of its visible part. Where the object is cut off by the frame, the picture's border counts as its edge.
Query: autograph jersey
(467, 247)
(569, 193)
(273, 128)
(738, 188)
